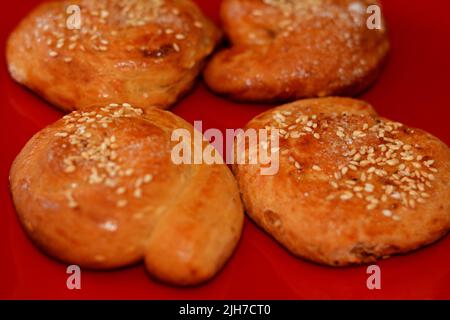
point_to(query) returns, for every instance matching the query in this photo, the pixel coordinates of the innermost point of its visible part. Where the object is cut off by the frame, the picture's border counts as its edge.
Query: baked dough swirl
(98, 188)
(145, 52)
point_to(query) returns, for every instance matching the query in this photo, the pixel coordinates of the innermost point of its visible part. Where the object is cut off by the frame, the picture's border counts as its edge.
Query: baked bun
(283, 50)
(145, 52)
(352, 187)
(98, 189)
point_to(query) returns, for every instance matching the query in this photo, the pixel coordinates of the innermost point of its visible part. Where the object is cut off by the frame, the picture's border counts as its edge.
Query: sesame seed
(73, 204)
(71, 201)
(363, 177)
(417, 165)
(369, 187)
(392, 162)
(408, 158)
(110, 226)
(387, 213)
(69, 169)
(364, 163)
(121, 190)
(429, 163)
(138, 182)
(358, 134)
(346, 196)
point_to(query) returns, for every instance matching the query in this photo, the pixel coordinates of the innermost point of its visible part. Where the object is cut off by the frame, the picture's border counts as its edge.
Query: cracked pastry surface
(352, 187)
(98, 189)
(147, 53)
(284, 50)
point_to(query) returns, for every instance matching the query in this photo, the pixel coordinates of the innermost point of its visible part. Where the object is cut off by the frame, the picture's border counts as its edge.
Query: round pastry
(99, 189)
(284, 50)
(352, 187)
(145, 52)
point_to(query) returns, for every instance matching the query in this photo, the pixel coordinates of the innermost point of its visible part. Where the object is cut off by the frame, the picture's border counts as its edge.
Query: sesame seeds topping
(99, 151)
(70, 200)
(340, 25)
(148, 178)
(369, 187)
(109, 225)
(198, 24)
(372, 160)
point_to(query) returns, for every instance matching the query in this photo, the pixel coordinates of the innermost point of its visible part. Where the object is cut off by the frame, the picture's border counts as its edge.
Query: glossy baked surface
(98, 188)
(352, 187)
(288, 50)
(147, 53)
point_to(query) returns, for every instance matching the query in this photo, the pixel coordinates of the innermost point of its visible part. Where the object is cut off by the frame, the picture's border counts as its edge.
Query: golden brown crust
(99, 189)
(147, 53)
(352, 187)
(286, 50)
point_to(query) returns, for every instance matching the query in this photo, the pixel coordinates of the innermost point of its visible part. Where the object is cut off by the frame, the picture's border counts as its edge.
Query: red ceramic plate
(414, 89)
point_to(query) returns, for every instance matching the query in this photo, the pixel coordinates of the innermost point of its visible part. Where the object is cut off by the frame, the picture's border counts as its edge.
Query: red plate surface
(414, 89)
